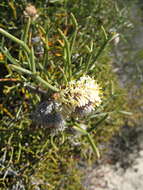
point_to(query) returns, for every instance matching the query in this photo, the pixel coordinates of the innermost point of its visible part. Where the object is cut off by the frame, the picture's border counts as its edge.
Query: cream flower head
(80, 96)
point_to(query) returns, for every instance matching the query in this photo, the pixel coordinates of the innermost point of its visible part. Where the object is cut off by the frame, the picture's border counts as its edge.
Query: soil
(122, 167)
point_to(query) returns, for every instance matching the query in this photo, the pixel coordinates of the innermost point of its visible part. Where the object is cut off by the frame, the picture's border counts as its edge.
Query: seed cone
(47, 116)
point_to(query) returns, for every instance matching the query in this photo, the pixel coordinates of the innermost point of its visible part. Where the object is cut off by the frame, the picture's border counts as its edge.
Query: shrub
(55, 55)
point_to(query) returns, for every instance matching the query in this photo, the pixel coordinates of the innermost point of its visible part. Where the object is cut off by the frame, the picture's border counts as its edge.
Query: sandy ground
(122, 168)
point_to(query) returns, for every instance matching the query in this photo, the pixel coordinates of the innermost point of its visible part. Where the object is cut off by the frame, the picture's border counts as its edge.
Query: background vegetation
(30, 157)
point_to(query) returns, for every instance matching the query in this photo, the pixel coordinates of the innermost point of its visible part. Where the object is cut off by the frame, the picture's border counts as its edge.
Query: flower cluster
(80, 97)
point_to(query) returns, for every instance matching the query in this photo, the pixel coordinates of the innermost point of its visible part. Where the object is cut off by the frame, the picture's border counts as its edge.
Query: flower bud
(31, 11)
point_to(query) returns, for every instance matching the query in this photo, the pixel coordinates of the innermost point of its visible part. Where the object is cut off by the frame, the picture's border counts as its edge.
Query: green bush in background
(42, 50)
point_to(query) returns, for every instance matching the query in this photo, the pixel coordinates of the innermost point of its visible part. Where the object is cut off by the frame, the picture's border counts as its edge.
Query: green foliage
(73, 40)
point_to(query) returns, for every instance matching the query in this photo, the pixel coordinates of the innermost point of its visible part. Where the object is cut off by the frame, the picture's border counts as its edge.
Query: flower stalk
(37, 77)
